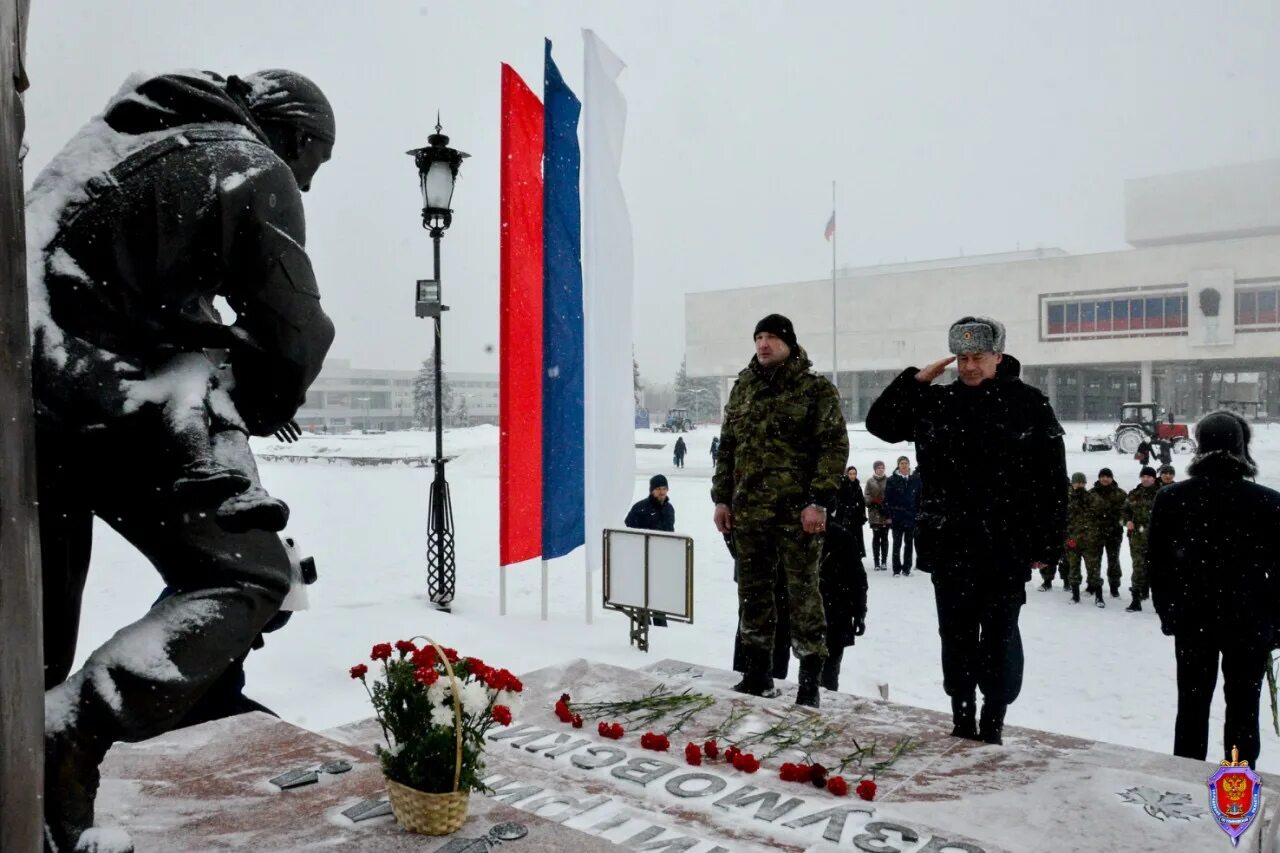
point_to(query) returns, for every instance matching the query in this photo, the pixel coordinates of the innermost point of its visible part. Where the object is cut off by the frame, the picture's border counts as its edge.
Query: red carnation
(451, 655)
(731, 753)
(603, 728)
(563, 714)
(502, 715)
(866, 789)
(787, 772)
(711, 749)
(746, 762)
(359, 670)
(405, 647)
(838, 786)
(382, 651)
(577, 721)
(654, 741)
(693, 754)
(425, 656)
(566, 698)
(615, 731)
(818, 775)
(426, 676)
(510, 682)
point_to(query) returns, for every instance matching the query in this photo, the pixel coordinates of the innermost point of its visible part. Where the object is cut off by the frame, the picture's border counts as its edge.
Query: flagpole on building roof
(834, 376)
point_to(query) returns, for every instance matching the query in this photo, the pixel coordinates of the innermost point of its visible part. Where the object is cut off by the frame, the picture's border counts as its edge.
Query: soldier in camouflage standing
(1082, 538)
(783, 448)
(1110, 533)
(1136, 516)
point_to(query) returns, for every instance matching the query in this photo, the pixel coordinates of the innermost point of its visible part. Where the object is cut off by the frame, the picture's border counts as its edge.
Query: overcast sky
(951, 127)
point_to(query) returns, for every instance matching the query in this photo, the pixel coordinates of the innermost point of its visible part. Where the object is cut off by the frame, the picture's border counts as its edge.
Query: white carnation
(442, 716)
(475, 698)
(436, 693)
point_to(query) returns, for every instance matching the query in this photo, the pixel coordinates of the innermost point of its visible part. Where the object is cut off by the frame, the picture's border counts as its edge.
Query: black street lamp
(437, 170)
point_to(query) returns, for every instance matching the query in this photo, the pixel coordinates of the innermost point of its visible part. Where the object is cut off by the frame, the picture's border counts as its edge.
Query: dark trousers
(903, 537)
(1242, 672)
(978, 624)
(880, 546)
(149, 676)
(1112, 549)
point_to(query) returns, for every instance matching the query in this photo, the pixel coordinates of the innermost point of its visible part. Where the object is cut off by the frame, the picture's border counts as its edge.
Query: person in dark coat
(902, 502)
(851, 509)
(1143, 453)
(187, 187)
(715, 449)
(843, 583)
(680, 451)
(654, 513)
(1213, 563)
(993, 508)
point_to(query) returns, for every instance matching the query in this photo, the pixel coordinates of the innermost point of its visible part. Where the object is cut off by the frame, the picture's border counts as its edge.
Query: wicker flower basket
(434, 814)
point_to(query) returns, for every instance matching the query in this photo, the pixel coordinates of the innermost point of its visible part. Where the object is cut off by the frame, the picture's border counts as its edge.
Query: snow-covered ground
(1101, 674)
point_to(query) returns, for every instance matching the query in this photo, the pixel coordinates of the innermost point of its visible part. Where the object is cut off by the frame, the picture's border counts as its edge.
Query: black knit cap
(1147, 471)
(780, 327)
(1106, 472)
(657, 481)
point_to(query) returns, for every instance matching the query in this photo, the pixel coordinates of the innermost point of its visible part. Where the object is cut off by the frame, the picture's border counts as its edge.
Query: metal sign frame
(641, 616)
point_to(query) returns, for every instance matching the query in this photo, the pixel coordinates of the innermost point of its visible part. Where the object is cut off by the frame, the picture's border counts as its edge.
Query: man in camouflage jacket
(1082, 537)
(783, 448)
(1136, 517)
(1110, 531)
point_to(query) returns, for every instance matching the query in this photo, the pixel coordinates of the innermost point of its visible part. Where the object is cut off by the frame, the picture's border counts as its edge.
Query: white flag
(607, 271)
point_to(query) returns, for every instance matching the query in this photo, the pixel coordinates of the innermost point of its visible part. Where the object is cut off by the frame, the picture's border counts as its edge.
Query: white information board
(649, 569)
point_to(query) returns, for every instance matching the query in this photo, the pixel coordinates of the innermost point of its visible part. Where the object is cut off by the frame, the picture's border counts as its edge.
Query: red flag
(520, 363)
(831, 226)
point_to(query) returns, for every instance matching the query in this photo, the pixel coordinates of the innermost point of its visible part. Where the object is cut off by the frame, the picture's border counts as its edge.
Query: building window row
(1258, 306)
(1126, 317)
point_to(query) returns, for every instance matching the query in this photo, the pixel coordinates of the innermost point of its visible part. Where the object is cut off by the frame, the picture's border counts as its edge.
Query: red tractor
(1140, 422)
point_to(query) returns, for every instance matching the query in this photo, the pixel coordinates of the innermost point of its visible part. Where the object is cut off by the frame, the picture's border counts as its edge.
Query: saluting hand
(932, 371)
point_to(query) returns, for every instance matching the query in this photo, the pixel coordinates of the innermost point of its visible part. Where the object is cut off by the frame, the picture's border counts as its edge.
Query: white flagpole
(834, 228)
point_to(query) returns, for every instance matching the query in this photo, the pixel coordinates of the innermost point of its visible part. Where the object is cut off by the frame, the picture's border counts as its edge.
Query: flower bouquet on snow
(434, 708)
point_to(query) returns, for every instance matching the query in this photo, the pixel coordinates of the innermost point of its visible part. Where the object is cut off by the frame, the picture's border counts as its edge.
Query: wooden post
(21, 634)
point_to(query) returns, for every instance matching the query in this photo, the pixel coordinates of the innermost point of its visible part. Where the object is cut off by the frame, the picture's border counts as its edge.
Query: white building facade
(346, 398)
(1189, 317)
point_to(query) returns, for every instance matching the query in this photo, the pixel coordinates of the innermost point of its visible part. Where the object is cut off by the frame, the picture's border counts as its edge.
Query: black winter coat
(851, 513)
(902, 499)
(650, 514)
(843, 582)
(1213, 557)
(204, 209)
(992, 465)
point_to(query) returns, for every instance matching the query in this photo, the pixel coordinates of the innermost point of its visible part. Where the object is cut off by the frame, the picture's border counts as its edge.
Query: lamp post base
(441, 568)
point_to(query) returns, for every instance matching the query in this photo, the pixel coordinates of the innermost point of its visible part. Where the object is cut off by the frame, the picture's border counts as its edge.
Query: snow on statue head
(281, 97)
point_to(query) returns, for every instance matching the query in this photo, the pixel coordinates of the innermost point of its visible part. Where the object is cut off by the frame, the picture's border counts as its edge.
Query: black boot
(756, 681)
(1046, 586)
(1135, 606)
(1115, 590)
(830, 678)
(963, 713)
(991, 725)
(1075, 595)
(1097, 598)
(810, 670)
